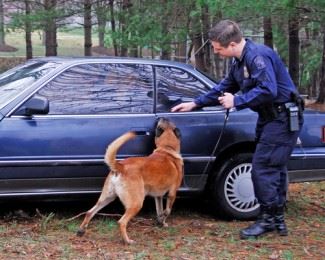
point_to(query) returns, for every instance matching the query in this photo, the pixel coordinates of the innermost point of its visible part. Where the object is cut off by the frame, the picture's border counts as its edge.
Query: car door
(200, 128)
(90, 105)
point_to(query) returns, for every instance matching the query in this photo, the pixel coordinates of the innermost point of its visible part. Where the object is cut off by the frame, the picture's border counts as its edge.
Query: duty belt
(280, 108)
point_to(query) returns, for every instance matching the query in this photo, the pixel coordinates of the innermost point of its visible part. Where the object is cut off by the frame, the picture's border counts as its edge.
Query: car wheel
(233, 191)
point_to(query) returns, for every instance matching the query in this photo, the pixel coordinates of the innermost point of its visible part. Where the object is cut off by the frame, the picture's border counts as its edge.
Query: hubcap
(239, 191)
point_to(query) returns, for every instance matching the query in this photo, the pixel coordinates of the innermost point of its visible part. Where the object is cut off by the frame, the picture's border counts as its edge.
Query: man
(266, 88)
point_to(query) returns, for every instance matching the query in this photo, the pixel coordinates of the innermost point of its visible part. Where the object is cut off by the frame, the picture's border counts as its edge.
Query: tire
(232, 192)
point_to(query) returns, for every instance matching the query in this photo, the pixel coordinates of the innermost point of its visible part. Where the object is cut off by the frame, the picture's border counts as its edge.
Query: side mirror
(35, 105)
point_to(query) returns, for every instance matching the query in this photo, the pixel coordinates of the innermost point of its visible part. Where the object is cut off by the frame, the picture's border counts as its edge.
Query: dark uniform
(266, 87)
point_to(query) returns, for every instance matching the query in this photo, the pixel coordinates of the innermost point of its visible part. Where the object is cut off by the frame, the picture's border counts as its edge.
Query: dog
(134, 178)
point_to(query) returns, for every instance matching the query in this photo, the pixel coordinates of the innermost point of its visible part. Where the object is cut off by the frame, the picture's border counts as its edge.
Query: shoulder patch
(259, 62)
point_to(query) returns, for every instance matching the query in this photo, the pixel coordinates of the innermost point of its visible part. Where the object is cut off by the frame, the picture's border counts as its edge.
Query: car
(57, 116)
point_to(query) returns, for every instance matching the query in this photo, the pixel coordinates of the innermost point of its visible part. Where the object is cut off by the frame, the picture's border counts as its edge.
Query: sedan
(57, 116)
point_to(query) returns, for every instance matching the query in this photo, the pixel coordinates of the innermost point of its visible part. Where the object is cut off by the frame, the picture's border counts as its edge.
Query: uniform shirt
(259, 74)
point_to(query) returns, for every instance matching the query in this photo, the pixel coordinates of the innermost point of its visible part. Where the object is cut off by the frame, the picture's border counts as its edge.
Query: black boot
(280, 225)
(264, 224)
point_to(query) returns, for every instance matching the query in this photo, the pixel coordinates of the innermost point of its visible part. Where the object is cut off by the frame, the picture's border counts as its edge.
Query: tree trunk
(165, 43)
(87, 27)
(198, 50)
(50, 29)
(123, 20)
(321, 95)
(111, 8)
(294, 47)
(196, 38)
(268, 34)
(180, 52)
(2, 25)
(28, 32)
(207, 47)
(101, 19)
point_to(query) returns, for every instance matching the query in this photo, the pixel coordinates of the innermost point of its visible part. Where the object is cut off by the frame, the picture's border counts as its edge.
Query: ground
(193, 233)
(7, 48)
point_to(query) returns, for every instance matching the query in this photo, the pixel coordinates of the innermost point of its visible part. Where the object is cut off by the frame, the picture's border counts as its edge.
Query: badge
(246, 74)
(259, 62)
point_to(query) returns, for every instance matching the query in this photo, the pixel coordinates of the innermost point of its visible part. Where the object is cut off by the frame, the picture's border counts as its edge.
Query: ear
(159, 131)
(177, 132)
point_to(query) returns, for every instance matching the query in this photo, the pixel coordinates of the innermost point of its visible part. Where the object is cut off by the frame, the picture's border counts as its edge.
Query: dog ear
(159, 131)
(177, 132)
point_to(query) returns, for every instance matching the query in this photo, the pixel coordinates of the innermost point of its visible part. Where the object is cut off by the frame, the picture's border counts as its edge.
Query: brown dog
(134, 178)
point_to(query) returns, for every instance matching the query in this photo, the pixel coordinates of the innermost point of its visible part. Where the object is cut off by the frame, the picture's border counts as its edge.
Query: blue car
(57, 116)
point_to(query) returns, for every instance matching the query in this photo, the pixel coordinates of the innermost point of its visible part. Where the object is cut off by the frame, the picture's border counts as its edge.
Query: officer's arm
(265, 87)
(228, 84)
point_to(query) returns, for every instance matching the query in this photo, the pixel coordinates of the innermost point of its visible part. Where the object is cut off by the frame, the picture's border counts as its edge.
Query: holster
(299, 101)
(294, 109)
(268, 112)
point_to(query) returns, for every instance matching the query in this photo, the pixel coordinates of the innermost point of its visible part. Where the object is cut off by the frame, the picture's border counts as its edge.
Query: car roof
(72, 60)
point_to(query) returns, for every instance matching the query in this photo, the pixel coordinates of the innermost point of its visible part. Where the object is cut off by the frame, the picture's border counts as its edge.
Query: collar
(169, 151)
(247, 44)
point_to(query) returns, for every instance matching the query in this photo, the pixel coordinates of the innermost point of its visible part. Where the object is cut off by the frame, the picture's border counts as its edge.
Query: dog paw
(165, 224)
(129, 242)
(81, 232)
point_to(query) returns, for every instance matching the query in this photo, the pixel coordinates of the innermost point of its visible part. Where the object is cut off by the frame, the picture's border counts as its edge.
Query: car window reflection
(101, 89)
(175, 86)
(16, 81)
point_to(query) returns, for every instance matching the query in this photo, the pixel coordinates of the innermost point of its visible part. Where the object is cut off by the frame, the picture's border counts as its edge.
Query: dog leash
(214, 149)
(218, 142)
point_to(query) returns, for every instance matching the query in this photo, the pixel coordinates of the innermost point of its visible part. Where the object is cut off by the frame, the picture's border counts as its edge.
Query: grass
(70, 43)
(195, 235)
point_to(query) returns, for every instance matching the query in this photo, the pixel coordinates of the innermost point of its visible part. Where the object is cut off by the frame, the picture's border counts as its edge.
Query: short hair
(224, 32)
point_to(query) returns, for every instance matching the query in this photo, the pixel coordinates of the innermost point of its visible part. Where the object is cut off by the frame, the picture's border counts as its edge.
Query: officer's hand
(184, 107)
(227, 100)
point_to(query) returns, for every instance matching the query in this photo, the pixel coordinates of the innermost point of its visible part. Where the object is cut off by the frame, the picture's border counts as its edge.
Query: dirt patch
(8, 63)
(193, 233)
(7, 48)
(98, 50)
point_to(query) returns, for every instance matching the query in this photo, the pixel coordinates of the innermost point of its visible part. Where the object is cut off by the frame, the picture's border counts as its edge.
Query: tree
(87, 27)
(293, 31)
(28, 31)
(268, 34)
(2, 23)
(175, 28)
(112, 16)
(321, 96)
(101, 14)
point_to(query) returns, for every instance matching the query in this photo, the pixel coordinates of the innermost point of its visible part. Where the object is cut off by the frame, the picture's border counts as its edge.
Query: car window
(101, 89)
(174, 86)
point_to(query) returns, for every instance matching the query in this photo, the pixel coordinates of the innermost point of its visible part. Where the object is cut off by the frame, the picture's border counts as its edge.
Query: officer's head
(225, 32)
(225, 36)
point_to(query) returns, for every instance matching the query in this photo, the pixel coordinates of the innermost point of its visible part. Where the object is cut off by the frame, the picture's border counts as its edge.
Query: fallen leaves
(190, 235)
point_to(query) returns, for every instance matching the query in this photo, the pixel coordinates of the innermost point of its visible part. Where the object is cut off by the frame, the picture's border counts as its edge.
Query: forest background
(175, 30)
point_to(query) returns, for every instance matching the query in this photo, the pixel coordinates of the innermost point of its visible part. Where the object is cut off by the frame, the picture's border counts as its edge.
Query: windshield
(17, 80)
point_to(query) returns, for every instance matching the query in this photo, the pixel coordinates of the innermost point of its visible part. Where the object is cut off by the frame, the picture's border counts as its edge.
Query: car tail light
(323, 134)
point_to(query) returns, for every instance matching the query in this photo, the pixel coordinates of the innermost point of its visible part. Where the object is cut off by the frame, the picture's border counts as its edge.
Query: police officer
(267, 89)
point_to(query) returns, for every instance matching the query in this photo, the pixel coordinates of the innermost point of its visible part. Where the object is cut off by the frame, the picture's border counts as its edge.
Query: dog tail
(110, 155)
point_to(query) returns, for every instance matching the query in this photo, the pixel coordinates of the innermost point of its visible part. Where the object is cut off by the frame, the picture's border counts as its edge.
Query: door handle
(143, 132)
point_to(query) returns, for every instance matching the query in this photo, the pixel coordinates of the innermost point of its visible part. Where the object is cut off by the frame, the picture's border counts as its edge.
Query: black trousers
(274, 146)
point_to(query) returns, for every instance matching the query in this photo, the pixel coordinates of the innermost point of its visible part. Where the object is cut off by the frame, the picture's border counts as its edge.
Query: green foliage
(160, 25)
(45, 220)
(310, 63)
(281, 43)
(72, 227)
